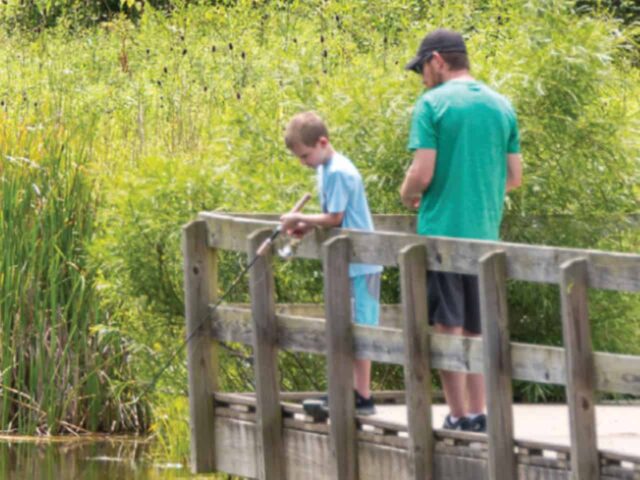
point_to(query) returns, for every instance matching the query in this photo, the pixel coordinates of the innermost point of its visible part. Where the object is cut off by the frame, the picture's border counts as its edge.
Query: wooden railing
(403, 337)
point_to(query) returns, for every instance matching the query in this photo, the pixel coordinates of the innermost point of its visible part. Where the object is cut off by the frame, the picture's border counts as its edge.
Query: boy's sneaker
(476, 424)
(318, 408)
(364, 406)
(460, 424)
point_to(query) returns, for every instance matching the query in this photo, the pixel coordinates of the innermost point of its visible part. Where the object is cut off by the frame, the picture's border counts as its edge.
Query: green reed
(54, 369)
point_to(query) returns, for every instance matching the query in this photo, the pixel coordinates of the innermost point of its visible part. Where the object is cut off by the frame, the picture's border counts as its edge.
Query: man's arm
(514, 171)
(418, 177)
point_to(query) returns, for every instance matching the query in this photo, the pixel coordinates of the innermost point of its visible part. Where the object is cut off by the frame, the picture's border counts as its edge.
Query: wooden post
(417, 369)
(580, 370)
(339, 334)
(265, 339)
(200, 285)
(502, 461)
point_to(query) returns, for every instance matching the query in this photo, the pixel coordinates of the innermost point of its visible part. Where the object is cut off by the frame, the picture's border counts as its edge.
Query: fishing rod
(262, 250)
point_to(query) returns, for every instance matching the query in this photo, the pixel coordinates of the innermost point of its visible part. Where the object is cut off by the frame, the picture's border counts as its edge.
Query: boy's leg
(365, 292)
(362, 376)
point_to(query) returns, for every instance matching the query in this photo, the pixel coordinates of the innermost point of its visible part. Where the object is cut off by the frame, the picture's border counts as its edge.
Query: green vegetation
(115, 134)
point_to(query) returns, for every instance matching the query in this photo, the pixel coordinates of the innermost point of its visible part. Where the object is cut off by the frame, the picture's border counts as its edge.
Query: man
(465, 141)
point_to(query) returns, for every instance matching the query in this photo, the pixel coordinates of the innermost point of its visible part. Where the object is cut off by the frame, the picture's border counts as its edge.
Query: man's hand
(418, 177)
(413, 202)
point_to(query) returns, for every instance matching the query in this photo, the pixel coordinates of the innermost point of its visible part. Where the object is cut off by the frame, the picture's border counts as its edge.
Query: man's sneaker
(476, 424)
(459, 424)
(364, 406)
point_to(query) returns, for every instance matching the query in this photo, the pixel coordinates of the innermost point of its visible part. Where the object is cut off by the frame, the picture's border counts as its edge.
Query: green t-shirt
(472, 128)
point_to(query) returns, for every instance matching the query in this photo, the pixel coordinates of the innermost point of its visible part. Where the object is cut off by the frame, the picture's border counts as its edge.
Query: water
(84, 458)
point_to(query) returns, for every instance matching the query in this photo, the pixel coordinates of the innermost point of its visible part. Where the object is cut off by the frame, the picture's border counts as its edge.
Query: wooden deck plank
(307, 455)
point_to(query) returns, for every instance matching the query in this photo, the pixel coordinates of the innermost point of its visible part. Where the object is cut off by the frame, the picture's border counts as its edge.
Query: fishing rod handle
(300, 204)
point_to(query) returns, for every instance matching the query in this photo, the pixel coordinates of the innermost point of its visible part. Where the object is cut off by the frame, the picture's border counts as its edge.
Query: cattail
(238, 96)
(213, 48)
(148, 51)
(159, 83)
(166, 70)
(295, 40)
(205, 88)
(230, 46)
(325, 53)
(243, 55)
(184, 51)
(321, 38)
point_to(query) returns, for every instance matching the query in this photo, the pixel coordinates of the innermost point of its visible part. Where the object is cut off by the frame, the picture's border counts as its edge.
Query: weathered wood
(534, 363)
(200, 284)
(382, 222)
(307, 455)
(576, 331)
(535, 263)
(265, 352)
(339, 335)
(497, 365)
(417, 369)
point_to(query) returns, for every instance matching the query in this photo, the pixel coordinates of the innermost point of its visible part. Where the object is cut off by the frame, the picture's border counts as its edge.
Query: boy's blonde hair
(305, 128)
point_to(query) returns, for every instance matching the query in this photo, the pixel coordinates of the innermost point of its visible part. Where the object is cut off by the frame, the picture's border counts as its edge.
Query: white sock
(453, 419)
(472, 416)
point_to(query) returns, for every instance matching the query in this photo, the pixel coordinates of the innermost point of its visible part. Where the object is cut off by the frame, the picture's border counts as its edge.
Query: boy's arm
(302, 221)
(418, 177)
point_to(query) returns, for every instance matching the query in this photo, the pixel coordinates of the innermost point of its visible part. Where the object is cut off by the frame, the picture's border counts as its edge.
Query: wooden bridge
(266, 435)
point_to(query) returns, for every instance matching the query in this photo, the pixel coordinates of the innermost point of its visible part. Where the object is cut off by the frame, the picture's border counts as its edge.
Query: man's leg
(472, 328)
(454, 384)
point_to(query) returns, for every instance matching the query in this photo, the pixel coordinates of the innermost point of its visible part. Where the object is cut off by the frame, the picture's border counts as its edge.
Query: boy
(344, 204)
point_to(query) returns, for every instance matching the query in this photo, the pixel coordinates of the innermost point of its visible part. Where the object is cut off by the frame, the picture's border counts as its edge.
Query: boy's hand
(290, 221)
(301, 229)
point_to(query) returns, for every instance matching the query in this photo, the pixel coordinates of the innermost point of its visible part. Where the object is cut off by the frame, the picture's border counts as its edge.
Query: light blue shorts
(365, 299)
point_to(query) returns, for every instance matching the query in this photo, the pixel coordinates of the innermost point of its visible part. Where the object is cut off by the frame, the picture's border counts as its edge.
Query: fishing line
(262, 249)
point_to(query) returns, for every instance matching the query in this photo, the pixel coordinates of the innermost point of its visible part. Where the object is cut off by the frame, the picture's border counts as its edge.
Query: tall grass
(55, 365)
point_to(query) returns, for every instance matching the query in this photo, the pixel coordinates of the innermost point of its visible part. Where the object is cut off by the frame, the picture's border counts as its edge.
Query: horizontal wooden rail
(534, 263)
(535, 363)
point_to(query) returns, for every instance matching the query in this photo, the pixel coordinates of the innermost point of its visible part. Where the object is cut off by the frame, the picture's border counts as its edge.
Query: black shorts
(453, 300)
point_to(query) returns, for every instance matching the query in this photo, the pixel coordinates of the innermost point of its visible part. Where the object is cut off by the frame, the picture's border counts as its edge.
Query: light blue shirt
(342, 191)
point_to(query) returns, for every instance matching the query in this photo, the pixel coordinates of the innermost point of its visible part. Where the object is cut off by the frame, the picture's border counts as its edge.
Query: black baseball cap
(441, 41)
